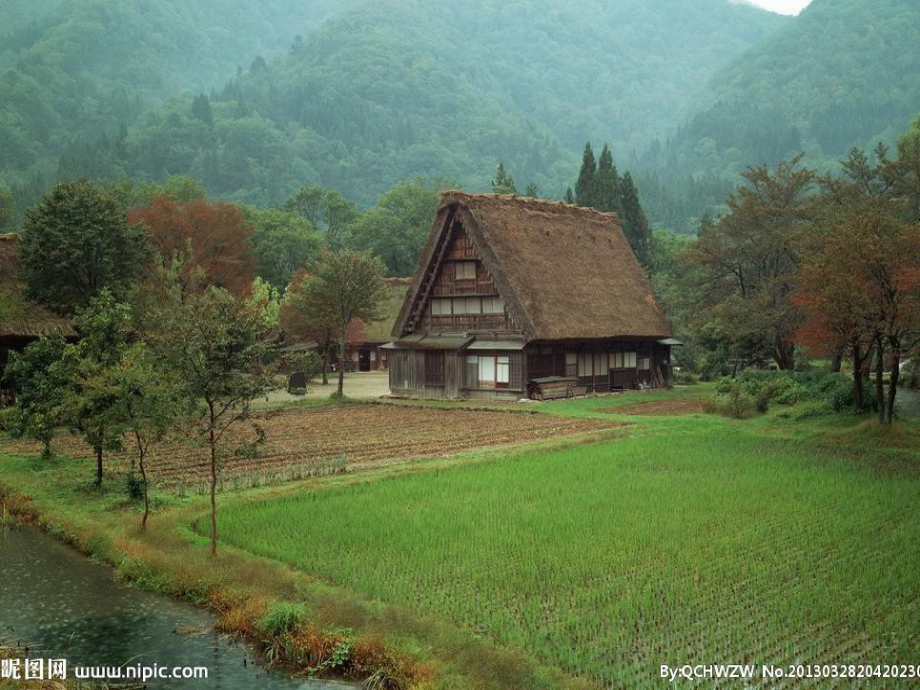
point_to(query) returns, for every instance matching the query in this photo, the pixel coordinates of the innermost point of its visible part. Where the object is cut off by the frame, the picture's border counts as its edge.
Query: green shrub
(134, 485)
(910, 374)
(735, 403)
(683, 377)
(282, 617)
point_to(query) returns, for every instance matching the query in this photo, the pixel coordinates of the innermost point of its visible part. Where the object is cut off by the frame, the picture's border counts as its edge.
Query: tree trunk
(143, 469)
(212, 442)
(98, 450)
(857, 378)
(879, 379)
(784, 354)
(326, 366)
(837, 360)
(893, 382)
(340, 392)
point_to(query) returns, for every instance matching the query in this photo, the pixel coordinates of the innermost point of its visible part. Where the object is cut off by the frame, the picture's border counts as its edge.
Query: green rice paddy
(693, 540)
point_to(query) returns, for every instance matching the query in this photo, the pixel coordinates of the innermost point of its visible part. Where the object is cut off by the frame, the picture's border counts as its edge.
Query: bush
(735, 402)
(282, 617)
(134, 485)
(910, 374)
(684, 377)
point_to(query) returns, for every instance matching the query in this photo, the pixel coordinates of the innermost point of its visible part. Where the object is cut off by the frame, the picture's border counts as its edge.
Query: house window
(487, 371)
(440, 307)
(466, 270)
(585, 364)
(622, 360)
(493, 371)
(434, 368)
(466, 305)
(600, 363)
(493, 305)
(571, 364)
(503, 371)
(471, 374)
(645, 363)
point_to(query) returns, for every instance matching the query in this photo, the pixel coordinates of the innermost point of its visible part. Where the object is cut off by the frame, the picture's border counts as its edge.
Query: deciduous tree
(744, 267)
(75, 242)
(216, 346)
(42, 377)
(346, 287)
(211, 236)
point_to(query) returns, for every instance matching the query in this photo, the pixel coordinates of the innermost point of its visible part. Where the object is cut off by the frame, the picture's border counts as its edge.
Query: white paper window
(600, 363)
(645, 363)
(571, 358)
(473, 305)
(487, 369)
(503, 370)
(493, 305)
(440, 307)
(373, 356)
(466, 270)
(585, 364)
(629, 360)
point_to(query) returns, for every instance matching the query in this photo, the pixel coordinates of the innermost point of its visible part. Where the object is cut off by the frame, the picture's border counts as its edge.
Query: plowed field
(353, 436)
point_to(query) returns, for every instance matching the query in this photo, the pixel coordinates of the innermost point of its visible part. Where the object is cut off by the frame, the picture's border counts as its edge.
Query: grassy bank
(688, 538)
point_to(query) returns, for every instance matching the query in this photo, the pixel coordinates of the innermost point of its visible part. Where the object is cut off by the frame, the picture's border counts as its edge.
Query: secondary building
(518, 297)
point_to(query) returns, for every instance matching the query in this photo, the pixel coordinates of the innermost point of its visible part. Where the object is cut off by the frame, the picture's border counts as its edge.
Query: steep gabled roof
(18, 316)
(564, 271)
(379, 331)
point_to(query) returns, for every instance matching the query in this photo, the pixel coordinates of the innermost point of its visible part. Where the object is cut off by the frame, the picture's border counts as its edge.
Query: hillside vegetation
(382, 92)
(844, 73)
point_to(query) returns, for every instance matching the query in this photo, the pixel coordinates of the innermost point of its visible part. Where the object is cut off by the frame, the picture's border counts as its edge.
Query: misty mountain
(843, 73)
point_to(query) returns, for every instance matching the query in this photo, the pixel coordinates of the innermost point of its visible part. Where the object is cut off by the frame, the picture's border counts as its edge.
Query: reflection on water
(65, 607)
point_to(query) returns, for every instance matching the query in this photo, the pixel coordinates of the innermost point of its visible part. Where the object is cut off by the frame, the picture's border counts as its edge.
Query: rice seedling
(710, 544)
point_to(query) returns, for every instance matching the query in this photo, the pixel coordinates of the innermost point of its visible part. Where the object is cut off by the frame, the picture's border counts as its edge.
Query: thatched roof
(379, 331)
(18, 316)
(565, 272)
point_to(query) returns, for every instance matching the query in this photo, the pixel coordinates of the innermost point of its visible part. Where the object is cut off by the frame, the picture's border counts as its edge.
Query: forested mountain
(383, 91)
(84, 68)
(843, 73)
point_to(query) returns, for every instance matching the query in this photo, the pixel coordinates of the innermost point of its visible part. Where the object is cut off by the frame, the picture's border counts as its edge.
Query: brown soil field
(339, 437)
(659, 408)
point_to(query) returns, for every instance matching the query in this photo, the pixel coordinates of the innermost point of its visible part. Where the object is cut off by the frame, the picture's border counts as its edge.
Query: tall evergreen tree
(201, 110)
(503, 182)
(532, 191)
(584, 187)
(635, 225)
(569, 197)
(606, 183)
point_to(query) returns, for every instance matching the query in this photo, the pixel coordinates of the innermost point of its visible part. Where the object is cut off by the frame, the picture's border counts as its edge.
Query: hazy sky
(784, 6)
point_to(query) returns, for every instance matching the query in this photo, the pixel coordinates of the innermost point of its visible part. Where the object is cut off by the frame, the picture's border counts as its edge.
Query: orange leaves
(211, 235)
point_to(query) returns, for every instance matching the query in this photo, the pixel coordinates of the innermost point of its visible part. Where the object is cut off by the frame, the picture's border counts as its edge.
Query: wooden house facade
(516, 297)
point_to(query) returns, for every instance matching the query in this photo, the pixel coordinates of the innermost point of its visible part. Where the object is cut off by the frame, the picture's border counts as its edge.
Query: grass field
(692, 540)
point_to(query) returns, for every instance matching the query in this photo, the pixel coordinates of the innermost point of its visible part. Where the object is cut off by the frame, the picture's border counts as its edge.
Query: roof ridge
(527, 201)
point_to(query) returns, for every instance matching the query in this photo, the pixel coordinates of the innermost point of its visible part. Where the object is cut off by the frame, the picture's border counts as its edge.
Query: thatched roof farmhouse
(515, 296)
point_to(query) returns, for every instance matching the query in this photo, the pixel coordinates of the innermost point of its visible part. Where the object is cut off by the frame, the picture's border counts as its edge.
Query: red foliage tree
(862, 290)
(211, 236)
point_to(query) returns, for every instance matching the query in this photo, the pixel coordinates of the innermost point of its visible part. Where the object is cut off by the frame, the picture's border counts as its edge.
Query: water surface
(63, 606)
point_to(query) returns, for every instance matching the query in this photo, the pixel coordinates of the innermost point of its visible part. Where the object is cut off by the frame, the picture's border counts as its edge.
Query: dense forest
(259, 100)
(381, 92)
(842, 74)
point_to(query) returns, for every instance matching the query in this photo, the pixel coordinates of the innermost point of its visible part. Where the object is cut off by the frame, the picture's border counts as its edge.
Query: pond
(64, 606)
